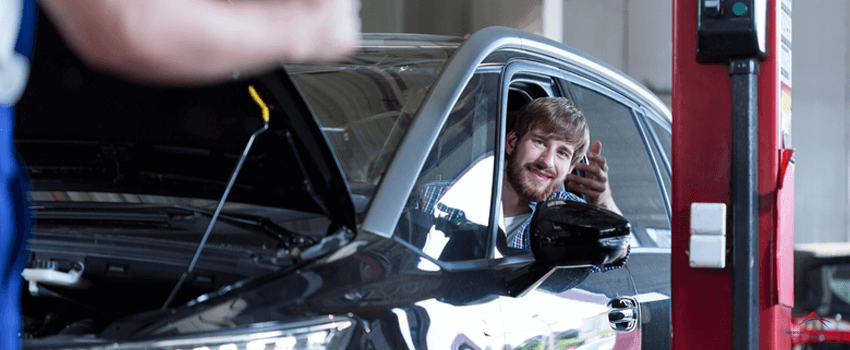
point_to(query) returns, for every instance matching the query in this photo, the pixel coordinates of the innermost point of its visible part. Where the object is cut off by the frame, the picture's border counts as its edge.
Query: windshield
(366, 103)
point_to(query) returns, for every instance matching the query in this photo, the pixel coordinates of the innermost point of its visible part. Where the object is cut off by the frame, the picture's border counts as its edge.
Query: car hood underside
(81, 130)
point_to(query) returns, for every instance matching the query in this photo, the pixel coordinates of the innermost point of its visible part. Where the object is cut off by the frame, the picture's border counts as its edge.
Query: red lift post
(703, 314)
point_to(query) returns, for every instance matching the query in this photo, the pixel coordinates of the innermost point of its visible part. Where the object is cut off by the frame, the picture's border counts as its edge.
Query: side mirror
(573, 234)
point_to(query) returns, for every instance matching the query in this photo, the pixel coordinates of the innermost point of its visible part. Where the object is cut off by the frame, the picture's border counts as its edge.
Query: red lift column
(703, 316)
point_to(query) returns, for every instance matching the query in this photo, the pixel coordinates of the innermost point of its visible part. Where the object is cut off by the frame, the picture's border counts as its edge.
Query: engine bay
(85, 273)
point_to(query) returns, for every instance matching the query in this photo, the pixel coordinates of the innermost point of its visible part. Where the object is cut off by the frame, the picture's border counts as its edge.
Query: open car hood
(80, 130)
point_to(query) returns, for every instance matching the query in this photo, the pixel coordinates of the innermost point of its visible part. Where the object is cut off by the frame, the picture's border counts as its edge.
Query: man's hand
(595, 183)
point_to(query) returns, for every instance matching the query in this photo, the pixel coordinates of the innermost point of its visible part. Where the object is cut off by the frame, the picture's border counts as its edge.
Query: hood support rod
(189, 270)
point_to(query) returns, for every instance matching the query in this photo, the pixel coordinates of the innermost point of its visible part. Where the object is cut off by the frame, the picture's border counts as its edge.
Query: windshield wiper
(76, 214)
(268, 227)
(163, 215)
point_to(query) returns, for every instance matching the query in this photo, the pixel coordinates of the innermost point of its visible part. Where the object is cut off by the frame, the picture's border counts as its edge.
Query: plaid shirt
(431, 193)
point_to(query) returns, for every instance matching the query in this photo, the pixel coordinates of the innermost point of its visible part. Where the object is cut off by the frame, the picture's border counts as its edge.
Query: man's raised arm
(595, 183)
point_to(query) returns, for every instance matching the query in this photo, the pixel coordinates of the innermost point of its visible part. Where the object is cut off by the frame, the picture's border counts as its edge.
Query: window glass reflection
(630, 172)
(449, 209)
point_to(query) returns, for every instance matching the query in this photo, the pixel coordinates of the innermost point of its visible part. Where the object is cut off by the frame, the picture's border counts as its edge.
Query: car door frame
(474, 52)
(559, 78)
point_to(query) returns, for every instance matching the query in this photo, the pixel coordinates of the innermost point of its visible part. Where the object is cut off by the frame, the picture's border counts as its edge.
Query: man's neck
(512, 203)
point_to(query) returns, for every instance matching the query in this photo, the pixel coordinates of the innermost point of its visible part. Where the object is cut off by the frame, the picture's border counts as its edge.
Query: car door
(636, 142)
(495, 301)
(571, 307)
(491, 301)
(650, 268)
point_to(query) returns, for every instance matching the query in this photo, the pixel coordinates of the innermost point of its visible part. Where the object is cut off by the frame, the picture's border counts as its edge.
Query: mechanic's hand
(595, 183)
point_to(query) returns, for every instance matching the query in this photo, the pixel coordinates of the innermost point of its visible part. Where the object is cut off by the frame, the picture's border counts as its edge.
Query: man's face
(538, 163)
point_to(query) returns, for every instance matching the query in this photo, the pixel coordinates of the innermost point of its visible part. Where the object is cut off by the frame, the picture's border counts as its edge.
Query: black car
(316, 245)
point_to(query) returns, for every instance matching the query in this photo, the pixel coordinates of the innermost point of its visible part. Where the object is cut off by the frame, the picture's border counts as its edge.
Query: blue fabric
(15, 220)
(26, 36)
(15, 226)
(521, 238)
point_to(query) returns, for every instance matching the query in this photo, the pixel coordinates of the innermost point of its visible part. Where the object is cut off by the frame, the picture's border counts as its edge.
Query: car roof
(493, 38)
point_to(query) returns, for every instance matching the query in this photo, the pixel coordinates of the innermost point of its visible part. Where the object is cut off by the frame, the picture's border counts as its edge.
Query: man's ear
(510, 142)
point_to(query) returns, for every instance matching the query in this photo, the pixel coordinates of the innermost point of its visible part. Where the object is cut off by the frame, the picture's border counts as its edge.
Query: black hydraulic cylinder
(745, 203)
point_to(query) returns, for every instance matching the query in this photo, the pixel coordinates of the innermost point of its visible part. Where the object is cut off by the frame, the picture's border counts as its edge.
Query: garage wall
(520, 14)
(598, 28)
(446, 17)
(382, 16)
(631, 35)
(635, 36)
(647, 43)
(820, 126)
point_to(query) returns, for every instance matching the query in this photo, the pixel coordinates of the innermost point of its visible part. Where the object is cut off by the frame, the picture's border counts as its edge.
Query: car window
(631, 175)
(448, 211)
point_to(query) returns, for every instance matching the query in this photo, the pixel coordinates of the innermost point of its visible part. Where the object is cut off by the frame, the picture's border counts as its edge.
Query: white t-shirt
(512, 223)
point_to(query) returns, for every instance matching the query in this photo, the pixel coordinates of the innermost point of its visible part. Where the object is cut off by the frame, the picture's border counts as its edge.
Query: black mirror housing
(573, 234)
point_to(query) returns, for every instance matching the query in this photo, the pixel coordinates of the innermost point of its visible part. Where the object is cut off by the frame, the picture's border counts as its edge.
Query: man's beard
(522, 183)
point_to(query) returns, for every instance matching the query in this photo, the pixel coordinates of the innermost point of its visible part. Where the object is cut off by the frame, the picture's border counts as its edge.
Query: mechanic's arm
(196, 41)
(594, 184)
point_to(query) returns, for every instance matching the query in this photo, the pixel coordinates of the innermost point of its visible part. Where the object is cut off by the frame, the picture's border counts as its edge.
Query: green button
(739, 9)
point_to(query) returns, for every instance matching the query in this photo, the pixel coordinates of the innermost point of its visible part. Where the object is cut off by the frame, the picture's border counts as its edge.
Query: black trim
(640, 120)
(745, 203)
(498, 165)
(656, 140)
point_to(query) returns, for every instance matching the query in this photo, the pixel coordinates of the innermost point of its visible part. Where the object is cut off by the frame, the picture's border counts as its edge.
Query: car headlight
(324, 333)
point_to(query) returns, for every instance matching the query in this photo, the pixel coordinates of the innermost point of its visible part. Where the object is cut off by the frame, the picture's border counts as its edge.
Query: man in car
(549, 138)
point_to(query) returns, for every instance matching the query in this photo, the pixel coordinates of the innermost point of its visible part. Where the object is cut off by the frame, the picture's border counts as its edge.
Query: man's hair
(555, 115)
